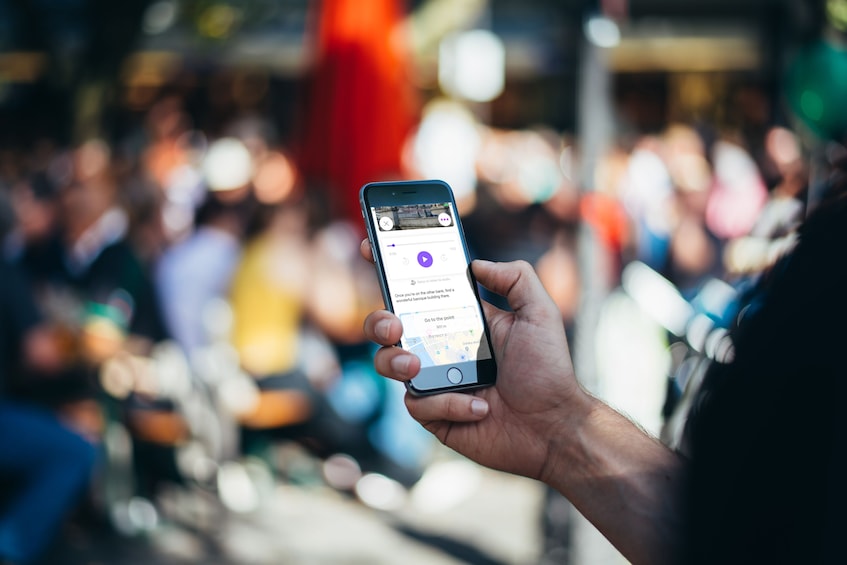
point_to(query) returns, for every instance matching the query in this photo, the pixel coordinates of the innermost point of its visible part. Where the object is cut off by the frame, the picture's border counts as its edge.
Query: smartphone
(424, 271)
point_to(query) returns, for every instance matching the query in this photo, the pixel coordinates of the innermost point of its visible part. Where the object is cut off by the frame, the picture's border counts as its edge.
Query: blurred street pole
(595, 130)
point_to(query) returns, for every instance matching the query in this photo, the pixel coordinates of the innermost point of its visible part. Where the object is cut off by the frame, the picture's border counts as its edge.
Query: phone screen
(428, 285)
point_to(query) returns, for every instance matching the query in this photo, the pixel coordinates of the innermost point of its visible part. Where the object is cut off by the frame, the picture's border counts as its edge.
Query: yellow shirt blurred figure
(268, 297)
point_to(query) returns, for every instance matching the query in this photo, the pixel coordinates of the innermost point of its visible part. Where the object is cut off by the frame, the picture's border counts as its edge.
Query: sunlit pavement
(458, 513)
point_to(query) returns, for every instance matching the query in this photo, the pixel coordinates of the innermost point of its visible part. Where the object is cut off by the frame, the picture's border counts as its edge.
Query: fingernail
(479, 407)
(400, 364)
(382, 329)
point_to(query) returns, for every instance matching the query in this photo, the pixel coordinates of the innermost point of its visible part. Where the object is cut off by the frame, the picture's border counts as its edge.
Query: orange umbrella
(359, 106)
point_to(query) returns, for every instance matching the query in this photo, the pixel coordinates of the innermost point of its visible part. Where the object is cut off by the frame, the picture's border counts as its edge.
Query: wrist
(566, 438)
(622, 480)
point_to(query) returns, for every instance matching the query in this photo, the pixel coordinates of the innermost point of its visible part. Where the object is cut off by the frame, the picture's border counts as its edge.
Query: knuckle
(523, 266)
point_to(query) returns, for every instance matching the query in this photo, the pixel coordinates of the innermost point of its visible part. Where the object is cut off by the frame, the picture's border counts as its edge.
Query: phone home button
(454, 375)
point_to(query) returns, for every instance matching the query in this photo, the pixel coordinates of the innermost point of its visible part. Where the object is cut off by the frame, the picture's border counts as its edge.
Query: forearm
(622, 480)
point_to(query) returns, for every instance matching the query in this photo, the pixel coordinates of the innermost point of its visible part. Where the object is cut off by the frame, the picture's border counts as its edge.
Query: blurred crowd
(173, 302)
(691, 203)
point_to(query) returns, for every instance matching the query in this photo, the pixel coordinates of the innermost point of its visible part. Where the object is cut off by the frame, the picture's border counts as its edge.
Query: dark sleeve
(18, 314)
(768, 444)
(118, 277)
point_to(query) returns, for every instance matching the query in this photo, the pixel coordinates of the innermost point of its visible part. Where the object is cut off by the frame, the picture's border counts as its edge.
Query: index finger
(366, 250)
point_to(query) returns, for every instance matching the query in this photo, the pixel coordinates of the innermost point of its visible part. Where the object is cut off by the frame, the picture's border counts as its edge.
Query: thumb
(516, 281)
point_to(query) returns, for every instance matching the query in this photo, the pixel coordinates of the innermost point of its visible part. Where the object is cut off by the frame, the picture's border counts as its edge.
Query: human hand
(507, 426)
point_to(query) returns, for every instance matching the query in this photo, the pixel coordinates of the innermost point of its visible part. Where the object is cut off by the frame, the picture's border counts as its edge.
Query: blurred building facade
(70, 69)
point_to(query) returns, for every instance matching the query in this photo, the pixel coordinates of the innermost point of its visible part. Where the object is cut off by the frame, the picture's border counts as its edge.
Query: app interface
(427, 279)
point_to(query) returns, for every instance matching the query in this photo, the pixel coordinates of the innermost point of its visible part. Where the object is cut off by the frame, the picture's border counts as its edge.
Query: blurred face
(691, 249)
(82, 205)
(90, 192)
(36, 217)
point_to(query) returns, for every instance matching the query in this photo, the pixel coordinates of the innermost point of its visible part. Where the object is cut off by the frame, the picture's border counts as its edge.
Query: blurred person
(665, 190)
(718, 193)
(44, 466)
(99, 262)
(170, 161)
(34, 240)
(786, 207)
(738, 191)
(529, 208)
(647, 196)
(93, 289)
(298, 304)
(291, 365)
(34, 245)
(775, 227)
(693, 249)
(269, 297)
(343, 290)
(198, 270)
(507, 233)
(558, 271)
(195, 272)
(166, 124)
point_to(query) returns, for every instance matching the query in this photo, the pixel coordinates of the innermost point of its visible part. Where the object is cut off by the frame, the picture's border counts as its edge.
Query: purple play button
(425, 259)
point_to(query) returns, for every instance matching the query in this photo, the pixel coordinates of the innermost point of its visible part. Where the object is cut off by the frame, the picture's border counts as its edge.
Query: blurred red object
(608, 218)
(359, 104)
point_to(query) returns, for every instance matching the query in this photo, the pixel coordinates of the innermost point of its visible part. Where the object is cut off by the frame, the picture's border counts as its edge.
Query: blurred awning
(681, 48)
(359, 105)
